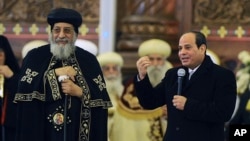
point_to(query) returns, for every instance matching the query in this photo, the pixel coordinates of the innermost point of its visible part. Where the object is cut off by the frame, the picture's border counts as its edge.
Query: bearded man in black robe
(41, 96)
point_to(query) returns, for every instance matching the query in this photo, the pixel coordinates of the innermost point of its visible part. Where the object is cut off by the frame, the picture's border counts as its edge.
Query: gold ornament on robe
(248, 105)
(1, 85)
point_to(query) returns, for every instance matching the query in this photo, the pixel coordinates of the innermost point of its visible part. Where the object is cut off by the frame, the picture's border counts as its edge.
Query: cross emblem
(29, 75)
(100, 82)
(86, 113)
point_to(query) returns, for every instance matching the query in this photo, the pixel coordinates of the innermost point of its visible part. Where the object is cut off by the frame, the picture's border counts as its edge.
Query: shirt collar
(193, 70)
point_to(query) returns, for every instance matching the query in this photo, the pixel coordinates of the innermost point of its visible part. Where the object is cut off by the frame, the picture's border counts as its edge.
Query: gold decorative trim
(52, 79)
(100, 102)
(33, 29)
(30, 96)
(138, 114)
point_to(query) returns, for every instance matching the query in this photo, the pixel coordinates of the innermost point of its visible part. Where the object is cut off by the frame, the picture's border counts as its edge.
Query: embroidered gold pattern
(30, 96)
(99, 82)
(85, 108)
(155, 133)
(29, 75)
(54, 85)
(87, 103)
(85, 113)
(100, 102)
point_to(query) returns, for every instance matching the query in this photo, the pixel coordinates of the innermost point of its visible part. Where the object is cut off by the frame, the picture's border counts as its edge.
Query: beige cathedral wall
(20, 34)
(226, 25)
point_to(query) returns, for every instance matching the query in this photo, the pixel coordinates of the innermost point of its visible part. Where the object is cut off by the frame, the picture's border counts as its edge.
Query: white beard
(156, 74)
(62, 51)
(114, 85)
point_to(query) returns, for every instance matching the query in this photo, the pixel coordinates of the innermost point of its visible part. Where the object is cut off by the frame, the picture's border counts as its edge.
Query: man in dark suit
(207, 99)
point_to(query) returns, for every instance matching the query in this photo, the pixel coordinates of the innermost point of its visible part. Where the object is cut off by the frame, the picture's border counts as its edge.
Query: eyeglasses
(156, 58)
(108, 68)
(65, 30)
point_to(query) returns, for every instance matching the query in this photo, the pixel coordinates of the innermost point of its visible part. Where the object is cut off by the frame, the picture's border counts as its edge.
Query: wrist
(141, 77)
(79, 92)
(9, 75)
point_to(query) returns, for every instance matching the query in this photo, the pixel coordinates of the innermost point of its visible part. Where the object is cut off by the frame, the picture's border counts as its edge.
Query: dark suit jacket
(211, 96)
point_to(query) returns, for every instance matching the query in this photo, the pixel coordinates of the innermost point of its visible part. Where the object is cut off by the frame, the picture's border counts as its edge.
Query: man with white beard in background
(61, 82)
(111, 64)
(131, 121)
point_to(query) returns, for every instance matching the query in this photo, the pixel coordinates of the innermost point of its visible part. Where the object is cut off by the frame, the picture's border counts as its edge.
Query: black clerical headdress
(65, 15)
(10, 58)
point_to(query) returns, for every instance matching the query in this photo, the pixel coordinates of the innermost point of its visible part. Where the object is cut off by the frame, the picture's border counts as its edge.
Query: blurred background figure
(111, 64)
(9, 70)
(31, 45)
(241, 113)
(215, 58)
(131, 121)
(87, 45)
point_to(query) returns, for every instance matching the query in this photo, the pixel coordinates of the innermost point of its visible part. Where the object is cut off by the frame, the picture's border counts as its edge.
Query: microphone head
(62, 78)
(181, 72)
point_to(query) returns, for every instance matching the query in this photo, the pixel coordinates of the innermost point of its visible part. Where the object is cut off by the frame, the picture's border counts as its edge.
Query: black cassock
(41, 102)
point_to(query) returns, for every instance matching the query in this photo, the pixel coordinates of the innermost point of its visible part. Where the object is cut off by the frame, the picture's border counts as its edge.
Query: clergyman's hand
(142, 65)
(6, 71)
(69, 87)
(67, 70)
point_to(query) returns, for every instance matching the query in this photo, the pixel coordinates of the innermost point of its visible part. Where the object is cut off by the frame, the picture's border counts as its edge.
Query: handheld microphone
(181, 73)
(63, 77)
